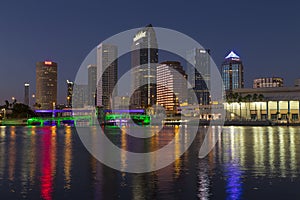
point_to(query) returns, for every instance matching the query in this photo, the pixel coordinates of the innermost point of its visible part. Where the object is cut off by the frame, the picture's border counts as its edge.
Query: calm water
(246, 163)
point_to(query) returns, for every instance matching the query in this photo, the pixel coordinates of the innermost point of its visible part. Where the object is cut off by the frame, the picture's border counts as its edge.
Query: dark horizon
(264, 35)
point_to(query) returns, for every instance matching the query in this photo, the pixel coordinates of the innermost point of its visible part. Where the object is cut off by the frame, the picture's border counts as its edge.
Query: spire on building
(232, 55)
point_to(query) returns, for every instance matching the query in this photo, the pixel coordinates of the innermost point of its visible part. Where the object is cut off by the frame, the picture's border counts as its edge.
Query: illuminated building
(46, 84)
(277, 103)
(26, 94)
(69, 93)
(199, 80)
(267, 82)
(144, 59)
(107, 55)
(171, 85)
(232, 72)
(92, 83)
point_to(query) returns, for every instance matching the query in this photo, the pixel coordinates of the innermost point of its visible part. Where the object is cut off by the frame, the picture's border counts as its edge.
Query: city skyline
(149, 100)
(65, 100)
(264, 39)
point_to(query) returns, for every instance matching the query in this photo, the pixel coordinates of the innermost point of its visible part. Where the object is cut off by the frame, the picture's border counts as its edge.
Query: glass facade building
(232, 72)
(144, 59)
(199, 79)
(79, 99)
(107, 66)
(92, 84)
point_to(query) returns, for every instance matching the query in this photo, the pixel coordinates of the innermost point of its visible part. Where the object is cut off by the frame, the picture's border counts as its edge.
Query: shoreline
(23, 122)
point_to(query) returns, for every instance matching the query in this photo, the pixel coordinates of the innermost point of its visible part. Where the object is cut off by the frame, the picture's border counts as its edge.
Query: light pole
(33, 99)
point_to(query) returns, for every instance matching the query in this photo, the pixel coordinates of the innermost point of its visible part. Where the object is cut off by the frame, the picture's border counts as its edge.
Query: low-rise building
(279, 103)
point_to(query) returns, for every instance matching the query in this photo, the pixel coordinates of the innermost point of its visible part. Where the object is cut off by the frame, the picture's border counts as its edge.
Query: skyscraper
(199, 79)
(232, 72)
(26, 94)
(107, 57)
(144, 59)
(46, 84)
(92, 84)
(171, 85)
(70, 86)
(79, 99)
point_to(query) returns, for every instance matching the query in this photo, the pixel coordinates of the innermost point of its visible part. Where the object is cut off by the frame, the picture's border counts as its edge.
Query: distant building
(107, 56)
(46, 84)
(232, 72)
(171, 85)
(144, 59)
(92, 84)
(80, 93)
(267, 82)
(199, 80)
(26, 94)
(121, 102)
(70, 86)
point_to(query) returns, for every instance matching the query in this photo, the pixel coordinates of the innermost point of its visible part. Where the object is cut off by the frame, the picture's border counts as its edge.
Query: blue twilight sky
(266, 34)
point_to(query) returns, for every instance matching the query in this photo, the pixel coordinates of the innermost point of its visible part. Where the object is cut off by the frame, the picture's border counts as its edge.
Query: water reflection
(2, 151)
(68, 157)
(203, 180)
(32, 151)
(12, 154)
(51, 163)
(48, 160)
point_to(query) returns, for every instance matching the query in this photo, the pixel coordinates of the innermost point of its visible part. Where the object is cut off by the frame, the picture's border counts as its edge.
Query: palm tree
(229, 99)
(235, 97)
(37, 105)
(6, 104)
(247, 99)
(260, 97)
(240, 100)
(254, 97)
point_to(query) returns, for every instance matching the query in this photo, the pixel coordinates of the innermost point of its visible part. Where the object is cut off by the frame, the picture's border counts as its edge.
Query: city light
(48, 63)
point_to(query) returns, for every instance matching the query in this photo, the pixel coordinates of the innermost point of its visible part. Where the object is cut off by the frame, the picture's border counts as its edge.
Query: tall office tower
(92, 84)
(268, 82)
(199, 79)
(46, 84)
(26, 94)
(171, 85)
(232, 72)
(107, 56)
(70, 86)
(144, 59)
(80, 93)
